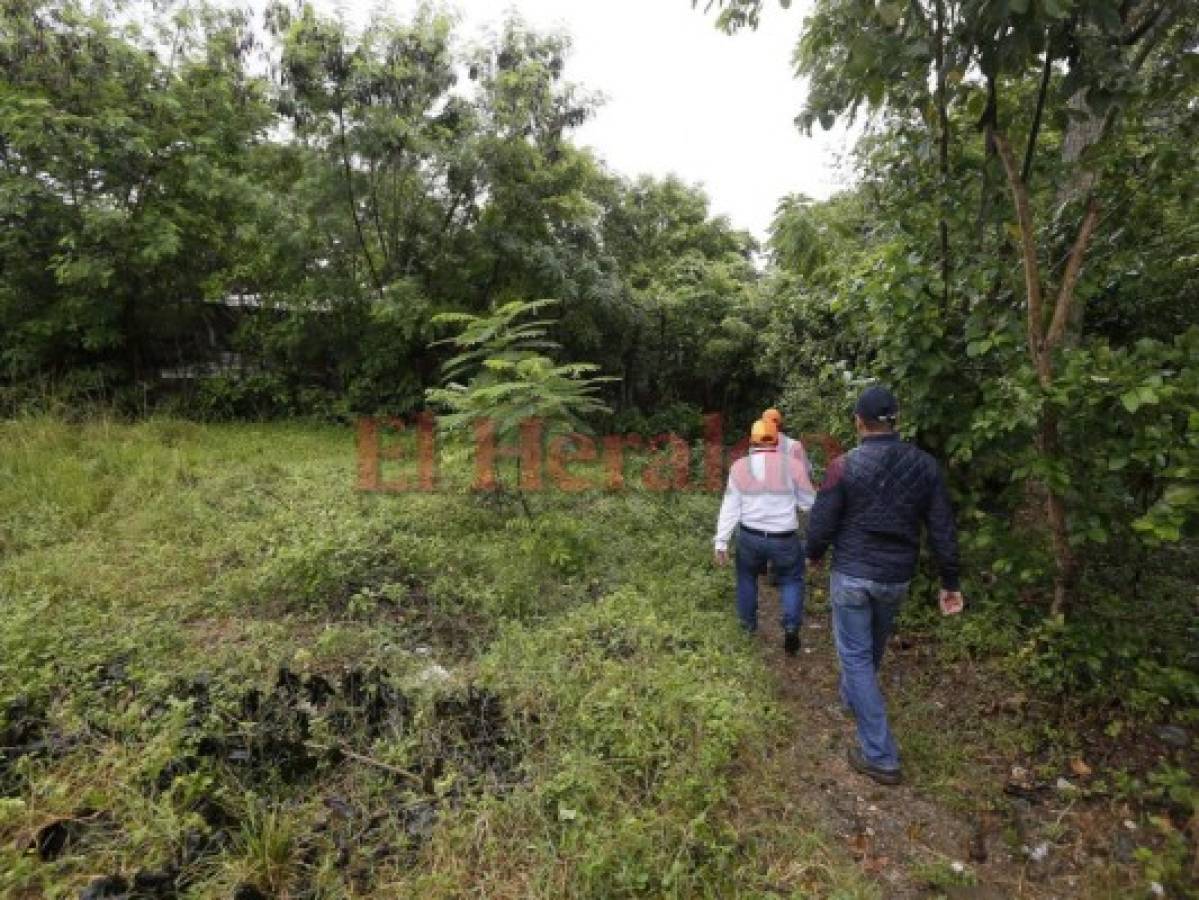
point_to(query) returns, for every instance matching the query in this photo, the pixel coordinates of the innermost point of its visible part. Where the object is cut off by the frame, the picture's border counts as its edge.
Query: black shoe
(791, 643)
(858, 763)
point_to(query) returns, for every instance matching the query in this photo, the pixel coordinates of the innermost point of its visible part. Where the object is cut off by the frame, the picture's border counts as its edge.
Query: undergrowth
(225, 672)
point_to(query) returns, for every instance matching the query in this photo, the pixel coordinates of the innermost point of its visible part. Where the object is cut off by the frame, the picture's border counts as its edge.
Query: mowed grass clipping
(224, 669)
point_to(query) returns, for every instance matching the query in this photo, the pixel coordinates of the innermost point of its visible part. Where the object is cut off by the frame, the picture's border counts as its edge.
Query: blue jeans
(786, 557)
(863, 620)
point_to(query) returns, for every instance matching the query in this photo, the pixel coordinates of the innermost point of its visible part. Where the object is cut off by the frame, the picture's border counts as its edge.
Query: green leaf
(1131, 401)
(1181, 495)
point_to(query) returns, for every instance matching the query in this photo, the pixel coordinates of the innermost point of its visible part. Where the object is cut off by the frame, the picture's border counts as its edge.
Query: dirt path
(913, 846)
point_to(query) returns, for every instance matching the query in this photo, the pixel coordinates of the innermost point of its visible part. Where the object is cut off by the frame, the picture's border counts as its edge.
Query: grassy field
(226, 672)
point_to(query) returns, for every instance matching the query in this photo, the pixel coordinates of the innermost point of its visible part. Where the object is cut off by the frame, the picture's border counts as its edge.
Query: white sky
(681, 96)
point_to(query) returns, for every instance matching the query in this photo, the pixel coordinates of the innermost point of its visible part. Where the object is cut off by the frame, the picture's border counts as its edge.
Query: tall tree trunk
(1043, 340)
(1065, 561)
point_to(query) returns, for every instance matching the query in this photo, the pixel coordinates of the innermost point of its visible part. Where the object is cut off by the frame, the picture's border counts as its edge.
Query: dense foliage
(271, 214)
(274, 215)
(259, 218)
(1036, 313)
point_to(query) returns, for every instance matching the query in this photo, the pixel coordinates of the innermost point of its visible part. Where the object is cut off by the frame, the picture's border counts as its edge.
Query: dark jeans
(863, 620)
(786, 558)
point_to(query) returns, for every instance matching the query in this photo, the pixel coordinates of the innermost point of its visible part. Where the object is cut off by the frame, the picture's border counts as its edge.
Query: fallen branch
(365, 760)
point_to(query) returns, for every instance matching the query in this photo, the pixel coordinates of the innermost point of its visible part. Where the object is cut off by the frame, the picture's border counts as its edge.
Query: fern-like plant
(503, 373)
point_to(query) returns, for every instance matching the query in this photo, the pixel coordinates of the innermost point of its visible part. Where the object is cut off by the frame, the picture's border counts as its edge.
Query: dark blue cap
(877, 404)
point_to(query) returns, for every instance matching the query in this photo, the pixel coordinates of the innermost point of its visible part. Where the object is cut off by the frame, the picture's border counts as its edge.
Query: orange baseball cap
(764, 432)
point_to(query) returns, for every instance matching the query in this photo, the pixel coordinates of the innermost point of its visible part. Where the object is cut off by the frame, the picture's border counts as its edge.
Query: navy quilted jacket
(870, 509)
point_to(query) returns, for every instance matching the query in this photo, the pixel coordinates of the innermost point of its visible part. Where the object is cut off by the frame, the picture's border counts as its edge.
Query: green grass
(153, 574)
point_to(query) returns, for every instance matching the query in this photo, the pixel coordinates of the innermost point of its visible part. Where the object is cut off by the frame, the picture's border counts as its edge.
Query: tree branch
(343, 748)
(1152, 36)
(1137, 31)
(345, 158)
(1028, 247)
(1035, 131)
(373, 186)
(1065, 294)
(990, 116)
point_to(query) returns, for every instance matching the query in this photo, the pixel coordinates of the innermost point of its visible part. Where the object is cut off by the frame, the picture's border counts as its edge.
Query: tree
(126, 191)
(503, 380)
(421, 194)
(1091, 59)
(688, 301)
(379, 107)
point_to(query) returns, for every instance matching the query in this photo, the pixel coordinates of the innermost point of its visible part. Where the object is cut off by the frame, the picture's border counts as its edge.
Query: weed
(942, 874)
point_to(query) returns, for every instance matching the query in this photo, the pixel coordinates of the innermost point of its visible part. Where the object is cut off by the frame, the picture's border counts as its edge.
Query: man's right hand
(722, 557)
(952, 602)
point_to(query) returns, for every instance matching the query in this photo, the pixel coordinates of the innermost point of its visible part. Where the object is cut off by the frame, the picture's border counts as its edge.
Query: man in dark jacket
(869, 510)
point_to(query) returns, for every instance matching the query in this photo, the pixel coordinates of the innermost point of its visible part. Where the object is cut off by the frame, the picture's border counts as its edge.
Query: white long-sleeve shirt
(763, 492)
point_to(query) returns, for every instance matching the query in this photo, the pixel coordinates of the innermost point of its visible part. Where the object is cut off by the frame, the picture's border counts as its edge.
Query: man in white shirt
(788, 446)
(764, 489)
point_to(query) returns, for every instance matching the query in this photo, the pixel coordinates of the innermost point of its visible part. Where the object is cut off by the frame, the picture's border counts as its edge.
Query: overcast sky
(681, 96)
